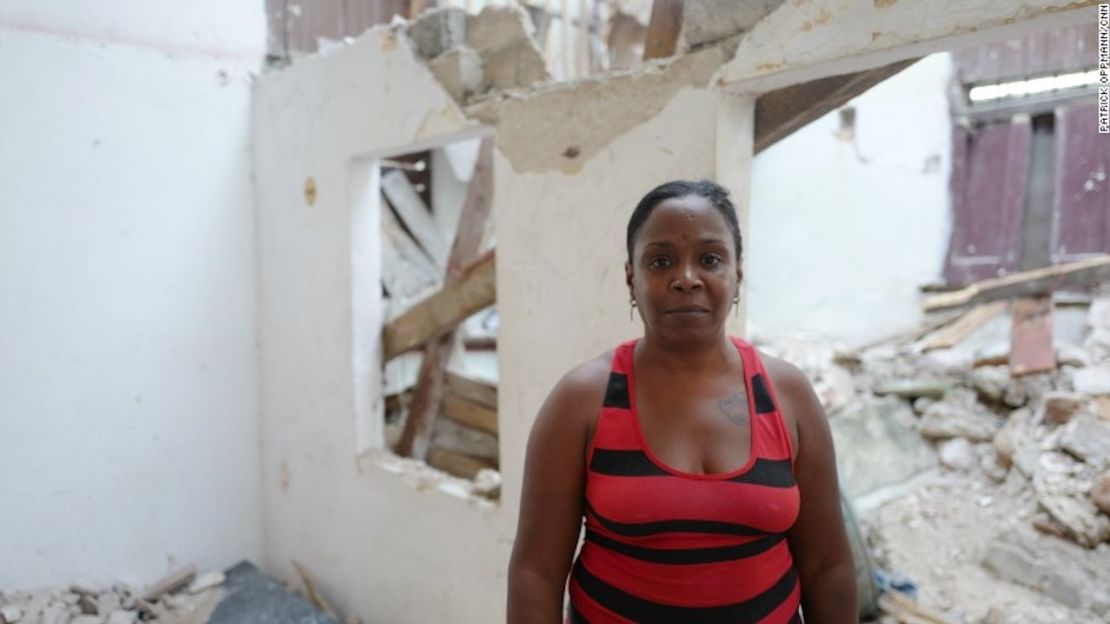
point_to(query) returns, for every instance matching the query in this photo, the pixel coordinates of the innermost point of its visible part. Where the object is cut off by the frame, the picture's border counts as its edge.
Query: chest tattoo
(735, 408)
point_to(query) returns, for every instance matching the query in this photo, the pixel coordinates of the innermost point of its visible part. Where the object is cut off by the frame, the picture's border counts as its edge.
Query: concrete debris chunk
(85, 588)
(1094, 380)
(1060, 407)
(1100, 493)
(87, 604)
(991, 382)
(885, 448)
(121, 617)
(171, 582)
(957, 454)
(1060, 490)
(913, 388)
(470, 55)
(1088, 438)
(960, 415)
(706, 21)
(10, 614)
(107, 602)
(488, 483)
(1007, 438)
(206, 581)
(86, 619)
(57, 614)
(437, 31)
(1046, 565)
(460, 72)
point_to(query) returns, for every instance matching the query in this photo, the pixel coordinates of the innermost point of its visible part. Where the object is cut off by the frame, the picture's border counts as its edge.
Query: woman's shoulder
(784, 375)
(586, 381)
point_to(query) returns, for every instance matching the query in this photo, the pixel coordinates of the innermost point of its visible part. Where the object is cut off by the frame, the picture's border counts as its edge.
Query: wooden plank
(414, 214)
(663, 29)
(458, 464)
(1025, 284)
(443, 311)
(470, 414)
(963, 327)
(468, 290)
(475, 213)
(1031, 349)
(779, 113)
(427, 399)
(473, 390)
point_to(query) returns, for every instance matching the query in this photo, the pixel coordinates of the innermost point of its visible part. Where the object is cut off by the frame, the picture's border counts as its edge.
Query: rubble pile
(179, 598)
(1002, 479)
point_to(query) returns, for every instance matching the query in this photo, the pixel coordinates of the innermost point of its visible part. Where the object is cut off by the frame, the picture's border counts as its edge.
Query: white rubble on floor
(999, 505)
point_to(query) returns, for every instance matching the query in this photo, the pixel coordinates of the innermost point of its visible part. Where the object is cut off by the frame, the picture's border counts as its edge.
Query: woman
(705, 470)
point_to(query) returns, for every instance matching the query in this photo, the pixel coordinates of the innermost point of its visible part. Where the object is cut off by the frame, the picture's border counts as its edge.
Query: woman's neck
(689, 359)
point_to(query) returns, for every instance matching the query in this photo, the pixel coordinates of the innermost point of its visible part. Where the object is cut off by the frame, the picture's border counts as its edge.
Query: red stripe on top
(681, 539)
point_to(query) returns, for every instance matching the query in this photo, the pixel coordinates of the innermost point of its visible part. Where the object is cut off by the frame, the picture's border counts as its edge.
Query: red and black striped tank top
(662, 545)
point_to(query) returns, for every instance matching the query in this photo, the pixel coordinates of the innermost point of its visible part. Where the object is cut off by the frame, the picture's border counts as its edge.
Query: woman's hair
(715, 193)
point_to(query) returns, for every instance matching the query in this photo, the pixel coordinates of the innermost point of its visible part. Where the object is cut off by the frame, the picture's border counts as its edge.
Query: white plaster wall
(128, 408)
(376, 546)
(843, 233)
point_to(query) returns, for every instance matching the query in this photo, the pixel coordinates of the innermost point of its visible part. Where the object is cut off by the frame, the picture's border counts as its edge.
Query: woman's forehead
(679, 215)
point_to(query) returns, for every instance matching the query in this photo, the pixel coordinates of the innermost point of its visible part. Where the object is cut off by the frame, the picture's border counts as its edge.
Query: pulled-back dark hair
(715, 193)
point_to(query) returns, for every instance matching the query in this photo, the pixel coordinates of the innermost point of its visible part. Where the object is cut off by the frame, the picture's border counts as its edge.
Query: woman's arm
(552, 496)
(818, 540)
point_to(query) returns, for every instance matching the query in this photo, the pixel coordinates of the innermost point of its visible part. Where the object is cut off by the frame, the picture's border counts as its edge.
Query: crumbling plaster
(804, 40)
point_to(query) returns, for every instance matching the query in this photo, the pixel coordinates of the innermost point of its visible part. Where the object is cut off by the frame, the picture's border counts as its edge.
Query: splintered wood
(973, 319)
(1027, 283)
(1031, 349)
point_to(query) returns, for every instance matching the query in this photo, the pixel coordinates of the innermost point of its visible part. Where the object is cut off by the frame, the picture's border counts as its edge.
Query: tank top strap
(770, 436)
(616, 427)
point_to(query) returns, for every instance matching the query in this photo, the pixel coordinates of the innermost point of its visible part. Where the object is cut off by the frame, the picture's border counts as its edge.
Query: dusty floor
(939, 534)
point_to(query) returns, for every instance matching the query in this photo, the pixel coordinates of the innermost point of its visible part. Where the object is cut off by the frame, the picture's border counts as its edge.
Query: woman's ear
(628, 275)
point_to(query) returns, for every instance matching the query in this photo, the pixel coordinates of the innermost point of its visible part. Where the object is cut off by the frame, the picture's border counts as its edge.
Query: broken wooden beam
(458, 464)
(663, 29)
(473, 390)
(779, 113)
(427, 399)
(968, 322)
(1026, 284)
(471, 414)
(172, 582)
(473, 291)
(1031, 349)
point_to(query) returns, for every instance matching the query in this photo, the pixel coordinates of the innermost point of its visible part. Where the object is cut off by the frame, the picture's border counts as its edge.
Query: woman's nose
(686, 279)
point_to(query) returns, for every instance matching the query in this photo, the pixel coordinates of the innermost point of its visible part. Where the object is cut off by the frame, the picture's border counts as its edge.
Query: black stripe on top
(678, 525)
(640, 610)
(775, 473)
(687, 556)
(762, 396)
(624, 464)
(616, 392)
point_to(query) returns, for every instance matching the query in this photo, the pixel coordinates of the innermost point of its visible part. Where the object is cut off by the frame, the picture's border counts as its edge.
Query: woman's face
(684, 273)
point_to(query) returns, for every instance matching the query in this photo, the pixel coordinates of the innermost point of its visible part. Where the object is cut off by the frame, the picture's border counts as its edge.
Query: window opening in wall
(439, 336)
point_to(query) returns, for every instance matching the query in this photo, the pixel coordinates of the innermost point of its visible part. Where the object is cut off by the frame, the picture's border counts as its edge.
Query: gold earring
(631, 307)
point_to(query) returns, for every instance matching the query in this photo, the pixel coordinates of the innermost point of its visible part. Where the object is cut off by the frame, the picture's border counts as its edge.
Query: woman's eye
(711, 261)
(659, 262)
